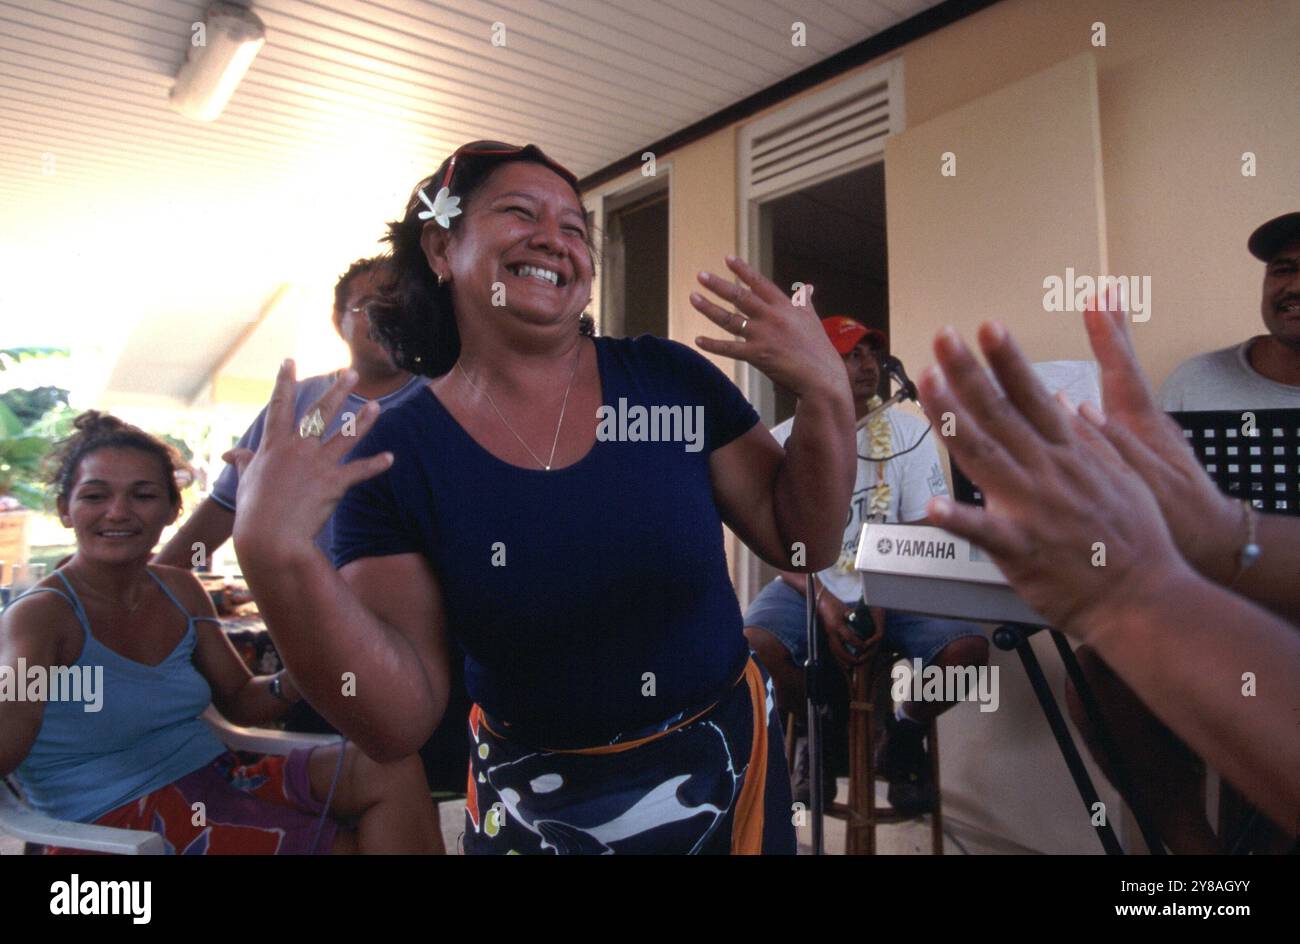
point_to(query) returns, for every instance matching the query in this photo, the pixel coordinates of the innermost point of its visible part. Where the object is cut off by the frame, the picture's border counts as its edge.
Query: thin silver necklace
(554, 442)
(130, 608)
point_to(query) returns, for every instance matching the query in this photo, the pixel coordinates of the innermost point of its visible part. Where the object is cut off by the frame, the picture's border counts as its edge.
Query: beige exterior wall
(1184, 87)
(702, 226)
(1017, 208)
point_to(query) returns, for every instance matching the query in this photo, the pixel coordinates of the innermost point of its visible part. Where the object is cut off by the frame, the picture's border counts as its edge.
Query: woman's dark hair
(413, 317)
(96, 431)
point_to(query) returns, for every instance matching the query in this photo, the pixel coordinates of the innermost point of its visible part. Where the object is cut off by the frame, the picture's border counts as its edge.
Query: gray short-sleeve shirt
(1224, 380)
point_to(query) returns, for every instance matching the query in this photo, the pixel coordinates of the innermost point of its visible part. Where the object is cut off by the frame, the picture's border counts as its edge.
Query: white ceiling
(149, 242)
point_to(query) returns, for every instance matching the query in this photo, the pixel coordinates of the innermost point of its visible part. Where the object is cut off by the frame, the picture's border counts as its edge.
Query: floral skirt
(251, 805)
(713, 783)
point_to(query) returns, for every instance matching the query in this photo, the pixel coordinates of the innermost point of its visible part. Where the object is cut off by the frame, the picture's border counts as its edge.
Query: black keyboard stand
(1014, 637)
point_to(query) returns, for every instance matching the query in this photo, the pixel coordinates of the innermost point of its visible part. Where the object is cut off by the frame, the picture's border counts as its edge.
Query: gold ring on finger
(312, 426)
(743, 323)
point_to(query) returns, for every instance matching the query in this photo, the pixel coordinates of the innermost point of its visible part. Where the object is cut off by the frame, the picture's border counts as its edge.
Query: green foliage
(179, 445)
(17, 354)
(29, 495)
(31, 421)
(24, 445)
(10, 424)
(30, 405)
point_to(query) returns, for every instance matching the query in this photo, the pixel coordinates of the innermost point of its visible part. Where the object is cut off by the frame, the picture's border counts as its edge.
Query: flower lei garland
(880, 443)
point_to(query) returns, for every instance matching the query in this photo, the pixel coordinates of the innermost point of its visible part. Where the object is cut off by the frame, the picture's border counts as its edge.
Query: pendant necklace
(563, 406)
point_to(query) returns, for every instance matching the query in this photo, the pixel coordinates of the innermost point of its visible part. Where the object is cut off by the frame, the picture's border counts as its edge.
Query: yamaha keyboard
(923, 569)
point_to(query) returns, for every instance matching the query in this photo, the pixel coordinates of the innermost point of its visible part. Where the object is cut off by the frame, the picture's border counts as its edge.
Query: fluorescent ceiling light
(221, 51)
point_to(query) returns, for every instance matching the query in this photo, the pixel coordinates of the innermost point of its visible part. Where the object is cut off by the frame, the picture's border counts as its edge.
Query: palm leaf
(17, 354)
(10, 424)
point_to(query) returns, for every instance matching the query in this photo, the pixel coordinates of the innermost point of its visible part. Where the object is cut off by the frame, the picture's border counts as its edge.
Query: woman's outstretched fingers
(1019, 382)
(716, 313)
(758, 283)
(741, 297)
(737, 350)
(358, 470)
(747, 315)
(293, 481)
(779, 338)
(279, 412)
(331, 401)
(352, 432)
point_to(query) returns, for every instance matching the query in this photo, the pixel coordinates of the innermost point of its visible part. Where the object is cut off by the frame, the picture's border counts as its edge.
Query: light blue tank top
(146, 734)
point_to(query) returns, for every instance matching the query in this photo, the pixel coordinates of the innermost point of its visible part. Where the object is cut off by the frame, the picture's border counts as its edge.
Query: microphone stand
(905, 392)
(812, 683)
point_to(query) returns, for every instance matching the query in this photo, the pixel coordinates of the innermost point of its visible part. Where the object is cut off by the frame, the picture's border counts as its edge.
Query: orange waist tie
(747, 824)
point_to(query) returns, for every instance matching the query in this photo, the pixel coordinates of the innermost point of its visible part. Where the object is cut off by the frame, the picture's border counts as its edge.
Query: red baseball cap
(845, 333)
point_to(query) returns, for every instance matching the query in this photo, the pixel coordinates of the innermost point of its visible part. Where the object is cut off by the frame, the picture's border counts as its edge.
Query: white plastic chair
(19, 820)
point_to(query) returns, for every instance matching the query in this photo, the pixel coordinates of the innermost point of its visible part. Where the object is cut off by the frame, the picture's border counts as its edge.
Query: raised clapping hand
(1055, 489)
(289, 488)
(783, 340)
(1206, 525)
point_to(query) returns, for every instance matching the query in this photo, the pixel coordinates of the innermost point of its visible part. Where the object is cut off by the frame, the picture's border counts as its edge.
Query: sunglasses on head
(501, 149)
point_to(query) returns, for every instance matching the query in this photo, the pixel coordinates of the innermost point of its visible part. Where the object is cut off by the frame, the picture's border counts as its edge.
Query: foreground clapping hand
(1072, 525)
(1206, 525)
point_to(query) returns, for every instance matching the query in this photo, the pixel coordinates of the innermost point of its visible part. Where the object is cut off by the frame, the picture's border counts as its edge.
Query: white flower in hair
(442, 209)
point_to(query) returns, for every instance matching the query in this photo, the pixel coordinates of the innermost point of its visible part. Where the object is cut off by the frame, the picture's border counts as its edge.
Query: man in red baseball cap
(898, 472)
(845, 334)
(861, 348)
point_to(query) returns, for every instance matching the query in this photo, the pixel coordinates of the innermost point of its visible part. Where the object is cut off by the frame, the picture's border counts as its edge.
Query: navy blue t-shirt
(567, 587)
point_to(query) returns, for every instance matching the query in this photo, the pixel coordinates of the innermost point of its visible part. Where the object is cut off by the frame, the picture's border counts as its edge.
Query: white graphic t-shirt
(911, 479)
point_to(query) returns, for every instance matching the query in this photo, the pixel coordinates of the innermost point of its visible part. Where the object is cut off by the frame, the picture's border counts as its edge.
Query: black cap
(1273, 235)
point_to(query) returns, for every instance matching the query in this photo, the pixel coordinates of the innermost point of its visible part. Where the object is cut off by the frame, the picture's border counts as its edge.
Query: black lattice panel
(1264, 468)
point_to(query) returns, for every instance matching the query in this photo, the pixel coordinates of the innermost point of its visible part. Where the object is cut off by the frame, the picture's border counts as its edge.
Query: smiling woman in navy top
(580, 563)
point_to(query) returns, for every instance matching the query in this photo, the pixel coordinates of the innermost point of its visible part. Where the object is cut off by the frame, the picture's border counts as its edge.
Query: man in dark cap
(1166, 779)
(1264, 372)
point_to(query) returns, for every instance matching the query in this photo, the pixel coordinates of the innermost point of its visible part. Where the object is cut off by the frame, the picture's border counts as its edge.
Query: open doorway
(634, 283)
(812, 209)
(830, 235)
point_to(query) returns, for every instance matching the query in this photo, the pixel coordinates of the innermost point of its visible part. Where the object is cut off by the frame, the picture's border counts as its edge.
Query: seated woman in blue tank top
(125, 745)
(555, 502)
